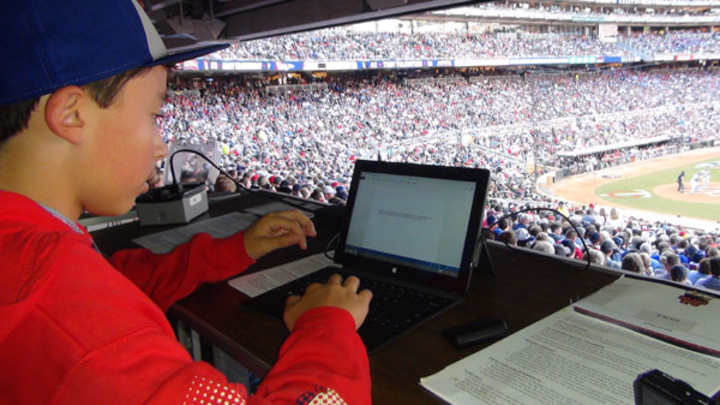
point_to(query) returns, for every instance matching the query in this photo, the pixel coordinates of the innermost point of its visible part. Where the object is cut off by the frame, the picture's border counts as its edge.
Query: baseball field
(651, 186)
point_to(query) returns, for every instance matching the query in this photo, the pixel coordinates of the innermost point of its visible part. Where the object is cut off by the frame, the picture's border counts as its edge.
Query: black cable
(172, 170)
(540, 209)
(172, 167)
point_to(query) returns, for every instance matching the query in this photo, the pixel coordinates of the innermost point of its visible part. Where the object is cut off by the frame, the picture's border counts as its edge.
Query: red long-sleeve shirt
(78, 330)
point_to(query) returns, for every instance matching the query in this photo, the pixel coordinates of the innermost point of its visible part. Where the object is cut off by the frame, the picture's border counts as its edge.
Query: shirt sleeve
(322, 362)
(167, 278)
(121, 350)
(323, 359)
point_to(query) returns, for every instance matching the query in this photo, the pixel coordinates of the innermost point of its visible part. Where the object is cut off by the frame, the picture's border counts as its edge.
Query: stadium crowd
(658, 250)
(591, 10)
(304, 143)
(337, 44)
(310, 139)
(681, 42)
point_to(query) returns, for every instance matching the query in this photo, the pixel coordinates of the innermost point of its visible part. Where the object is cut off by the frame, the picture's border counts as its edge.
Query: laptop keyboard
(394, 309)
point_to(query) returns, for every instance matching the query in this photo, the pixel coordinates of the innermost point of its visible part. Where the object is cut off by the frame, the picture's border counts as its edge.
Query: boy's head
(51, 45)
(15, 117)
(79, 97)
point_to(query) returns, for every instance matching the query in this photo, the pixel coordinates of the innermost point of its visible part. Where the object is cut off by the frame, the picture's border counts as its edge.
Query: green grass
(663, 205)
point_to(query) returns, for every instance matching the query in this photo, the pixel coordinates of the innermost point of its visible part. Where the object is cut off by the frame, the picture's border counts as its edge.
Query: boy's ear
(62, 113)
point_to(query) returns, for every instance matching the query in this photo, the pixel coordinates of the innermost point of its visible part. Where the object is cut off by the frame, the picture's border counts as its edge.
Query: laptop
(409, 234)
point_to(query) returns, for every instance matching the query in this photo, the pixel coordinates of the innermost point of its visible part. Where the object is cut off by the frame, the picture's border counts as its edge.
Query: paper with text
(276, 206)
(659, 310)
(218, 227)
(255, 284)
(568, 358)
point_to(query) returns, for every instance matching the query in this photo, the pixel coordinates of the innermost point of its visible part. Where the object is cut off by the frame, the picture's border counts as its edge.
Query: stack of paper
(218, 227)
(571, 358)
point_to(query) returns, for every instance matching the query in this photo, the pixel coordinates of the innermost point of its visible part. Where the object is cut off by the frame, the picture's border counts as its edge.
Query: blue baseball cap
(51, 44)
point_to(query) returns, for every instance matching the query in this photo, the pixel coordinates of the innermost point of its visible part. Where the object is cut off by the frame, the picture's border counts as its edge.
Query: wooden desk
(526, 288)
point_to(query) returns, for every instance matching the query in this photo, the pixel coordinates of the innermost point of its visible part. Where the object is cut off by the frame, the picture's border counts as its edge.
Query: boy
(83, 85)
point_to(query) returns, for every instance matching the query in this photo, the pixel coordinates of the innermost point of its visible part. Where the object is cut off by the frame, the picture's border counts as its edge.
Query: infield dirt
(581, 188)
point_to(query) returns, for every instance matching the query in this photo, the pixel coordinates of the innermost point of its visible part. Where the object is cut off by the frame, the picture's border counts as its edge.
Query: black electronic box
(657, 388)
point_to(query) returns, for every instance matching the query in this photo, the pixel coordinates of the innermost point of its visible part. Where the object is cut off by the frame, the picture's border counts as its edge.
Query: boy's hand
(334, 293)
(277, 230)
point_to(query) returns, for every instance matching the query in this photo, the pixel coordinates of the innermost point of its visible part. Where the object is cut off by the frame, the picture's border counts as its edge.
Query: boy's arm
(323, 361)
(167, 278)
(340, 369)
(133, 357)
(172, 276)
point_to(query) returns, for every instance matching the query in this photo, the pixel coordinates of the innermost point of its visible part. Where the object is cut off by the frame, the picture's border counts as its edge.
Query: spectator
(561, 250)
(712, 282)
(502, 226)
(556, 232)
(224, 184)
(596, 257)
(647, 266)
(702, 272)
(668, 260)
(608, 249)
(523, 236)
(595, 240)
(572, 250)
(633, 262)
(678, 274)
(317, 195)
(544, 246)
(341, 193)
(508, 237)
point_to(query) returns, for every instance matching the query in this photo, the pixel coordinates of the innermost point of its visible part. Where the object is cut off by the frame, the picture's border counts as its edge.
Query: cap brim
(188, 53)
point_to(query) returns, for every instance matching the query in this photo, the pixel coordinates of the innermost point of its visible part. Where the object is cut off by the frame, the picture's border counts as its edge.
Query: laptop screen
(412, 221)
